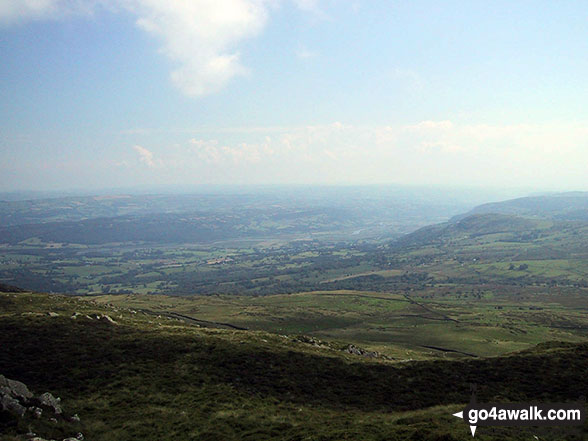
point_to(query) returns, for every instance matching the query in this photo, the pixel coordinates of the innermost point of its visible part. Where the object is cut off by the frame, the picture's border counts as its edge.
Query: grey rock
(12, 405)
(352, 349)
(109, 319)
(48, 400)
(18, 389)
(52, 314)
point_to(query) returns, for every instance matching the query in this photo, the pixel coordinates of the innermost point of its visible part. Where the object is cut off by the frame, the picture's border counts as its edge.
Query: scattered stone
(52, 314)
(307, 339)
(352, 349)
(75, 418)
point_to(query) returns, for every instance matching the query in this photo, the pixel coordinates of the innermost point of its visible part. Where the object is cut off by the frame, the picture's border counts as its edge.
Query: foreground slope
(150, 378)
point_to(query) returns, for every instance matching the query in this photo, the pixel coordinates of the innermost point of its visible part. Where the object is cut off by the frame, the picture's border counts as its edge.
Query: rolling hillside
(133, 376)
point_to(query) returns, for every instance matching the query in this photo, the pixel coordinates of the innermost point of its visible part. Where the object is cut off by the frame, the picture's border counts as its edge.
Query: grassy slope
(387, 322)
(152, 378)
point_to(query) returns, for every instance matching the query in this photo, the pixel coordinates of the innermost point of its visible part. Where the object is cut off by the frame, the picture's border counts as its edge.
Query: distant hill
(476, 225)
(529, 241)
(561, 206)
(561, 217)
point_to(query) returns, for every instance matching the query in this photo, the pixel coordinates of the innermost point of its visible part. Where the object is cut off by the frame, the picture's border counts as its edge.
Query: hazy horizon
(471, 195)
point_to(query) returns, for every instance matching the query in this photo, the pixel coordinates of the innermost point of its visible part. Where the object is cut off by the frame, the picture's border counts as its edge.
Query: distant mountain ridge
(560, 206)
(519, 220)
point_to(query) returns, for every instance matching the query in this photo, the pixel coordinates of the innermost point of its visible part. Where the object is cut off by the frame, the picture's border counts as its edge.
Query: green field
(395, 324)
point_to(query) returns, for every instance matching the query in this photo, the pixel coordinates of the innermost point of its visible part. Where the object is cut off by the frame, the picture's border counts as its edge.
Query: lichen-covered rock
(48, 400)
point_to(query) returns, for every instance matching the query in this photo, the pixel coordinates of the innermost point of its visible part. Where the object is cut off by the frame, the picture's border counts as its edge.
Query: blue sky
(135, 93)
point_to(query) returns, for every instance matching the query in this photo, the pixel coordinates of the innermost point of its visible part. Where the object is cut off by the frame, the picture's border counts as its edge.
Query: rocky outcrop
(14, 388)
(17, 400)
(355, 350)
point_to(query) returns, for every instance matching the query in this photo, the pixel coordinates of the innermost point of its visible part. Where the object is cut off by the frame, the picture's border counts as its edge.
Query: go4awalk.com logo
(521, 414)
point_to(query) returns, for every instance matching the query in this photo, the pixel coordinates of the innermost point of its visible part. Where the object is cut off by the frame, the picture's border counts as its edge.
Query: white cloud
(145, 156)
(201, 37)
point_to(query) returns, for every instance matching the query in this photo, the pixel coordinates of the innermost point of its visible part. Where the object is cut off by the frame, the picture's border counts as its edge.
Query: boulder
(48, 400)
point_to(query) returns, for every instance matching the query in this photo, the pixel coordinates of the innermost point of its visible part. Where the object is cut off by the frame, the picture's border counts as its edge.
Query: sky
(137, 93)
